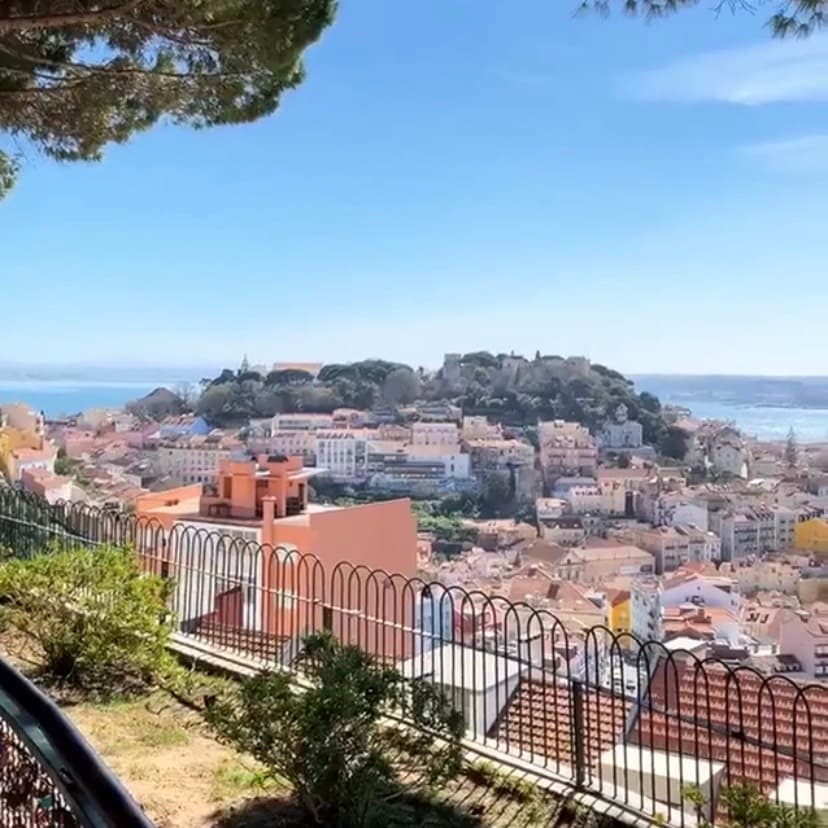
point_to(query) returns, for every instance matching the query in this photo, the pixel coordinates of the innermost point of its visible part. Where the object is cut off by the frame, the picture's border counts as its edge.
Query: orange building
(251, 553)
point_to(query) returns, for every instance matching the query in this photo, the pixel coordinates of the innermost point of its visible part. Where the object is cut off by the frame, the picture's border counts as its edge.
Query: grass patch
(233, 781)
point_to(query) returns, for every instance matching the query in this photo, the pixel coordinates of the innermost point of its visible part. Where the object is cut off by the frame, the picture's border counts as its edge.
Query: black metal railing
(49, 775)
(628, 720)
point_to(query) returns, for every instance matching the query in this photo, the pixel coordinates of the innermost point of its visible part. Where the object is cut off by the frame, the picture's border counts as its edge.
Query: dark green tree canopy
(76, 75)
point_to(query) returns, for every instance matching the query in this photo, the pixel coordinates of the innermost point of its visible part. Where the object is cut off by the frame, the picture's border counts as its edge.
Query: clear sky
(457, 175)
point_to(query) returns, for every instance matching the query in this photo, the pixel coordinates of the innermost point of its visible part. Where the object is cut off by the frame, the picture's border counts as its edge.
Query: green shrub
(746, 805)
(331, 741)
(90, 618)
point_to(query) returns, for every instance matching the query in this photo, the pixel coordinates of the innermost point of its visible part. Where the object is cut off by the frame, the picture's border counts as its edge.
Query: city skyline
(648, 195)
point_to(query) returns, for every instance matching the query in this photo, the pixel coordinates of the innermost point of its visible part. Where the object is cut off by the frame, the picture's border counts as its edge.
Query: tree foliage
(90, 616)
(791, 450)
(77, 75)
(746, 805)
(330, 742)
(674, 443)
(798, 18)
(401, 386)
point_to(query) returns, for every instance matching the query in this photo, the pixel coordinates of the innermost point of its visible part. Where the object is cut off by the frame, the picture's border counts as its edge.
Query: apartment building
(405, 467)
(500, 455)
(765, 576)
(194, 459)
(479, 428)
(434, 434)
(566, 449)
(675, 546)
(754, 530)
(608, 497)
(591, 565)
(567, 530)
(301, 421)
(293, 443)
(645, 609)
(343, 454)
(672, 508)
(804, 635)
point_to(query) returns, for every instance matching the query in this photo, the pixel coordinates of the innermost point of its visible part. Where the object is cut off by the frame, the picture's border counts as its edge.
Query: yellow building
(619, 612)
(12, 439)
(812, 535)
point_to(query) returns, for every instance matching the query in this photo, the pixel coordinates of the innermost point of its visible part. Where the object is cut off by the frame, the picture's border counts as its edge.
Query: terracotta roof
(538, 719)
(756, 727)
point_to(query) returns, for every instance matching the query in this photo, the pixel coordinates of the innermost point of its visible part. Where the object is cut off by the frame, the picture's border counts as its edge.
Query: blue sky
(457, 175)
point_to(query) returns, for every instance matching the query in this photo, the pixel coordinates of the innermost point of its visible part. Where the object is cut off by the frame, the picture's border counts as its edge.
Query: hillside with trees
(513, 390)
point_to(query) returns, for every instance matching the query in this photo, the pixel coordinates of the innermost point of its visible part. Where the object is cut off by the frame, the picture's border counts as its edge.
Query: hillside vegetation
(512, 390)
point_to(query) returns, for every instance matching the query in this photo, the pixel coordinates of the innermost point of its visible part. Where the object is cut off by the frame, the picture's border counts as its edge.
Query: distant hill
(794, 392)
(158, 404)
(512, 389)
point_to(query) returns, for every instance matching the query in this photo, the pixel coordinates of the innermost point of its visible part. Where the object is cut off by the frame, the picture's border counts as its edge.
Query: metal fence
(630, 721)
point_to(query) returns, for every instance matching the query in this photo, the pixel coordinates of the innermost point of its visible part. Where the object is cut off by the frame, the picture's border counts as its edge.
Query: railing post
(327, 618)
(578, 734)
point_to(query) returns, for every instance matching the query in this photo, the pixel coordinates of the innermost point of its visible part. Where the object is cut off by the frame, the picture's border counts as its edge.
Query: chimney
(268, 516)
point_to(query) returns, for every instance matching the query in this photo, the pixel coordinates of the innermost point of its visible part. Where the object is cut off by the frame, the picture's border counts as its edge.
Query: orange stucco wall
(370, 610)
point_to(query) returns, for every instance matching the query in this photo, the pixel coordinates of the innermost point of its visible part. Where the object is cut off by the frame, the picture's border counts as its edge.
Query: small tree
(791, 450)
(746, 805)
(89, 617)
(329, 741)
(401, 386)
(674, 443)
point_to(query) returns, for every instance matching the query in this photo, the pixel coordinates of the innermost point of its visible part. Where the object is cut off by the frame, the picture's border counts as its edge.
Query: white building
(728, 454)
(709, 591)
(301, 422)
(400, 466)
(645, 609)
(456, 463)
(621, 433)
(672, 509)
(477, 682)
(343, 454)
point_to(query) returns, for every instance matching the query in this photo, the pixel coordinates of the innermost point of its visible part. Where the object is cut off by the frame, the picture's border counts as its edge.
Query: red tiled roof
(538, 720)
(755, 727)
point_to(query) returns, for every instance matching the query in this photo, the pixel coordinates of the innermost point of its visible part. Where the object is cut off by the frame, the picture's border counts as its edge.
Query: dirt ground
(161, 751)
(183, 778)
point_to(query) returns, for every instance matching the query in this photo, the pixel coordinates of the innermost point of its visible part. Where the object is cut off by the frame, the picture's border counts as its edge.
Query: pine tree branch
(54, 21)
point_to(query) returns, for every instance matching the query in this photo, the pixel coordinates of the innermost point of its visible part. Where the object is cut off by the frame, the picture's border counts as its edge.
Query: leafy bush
(330, 741)
(746, 805)
(91, 618)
